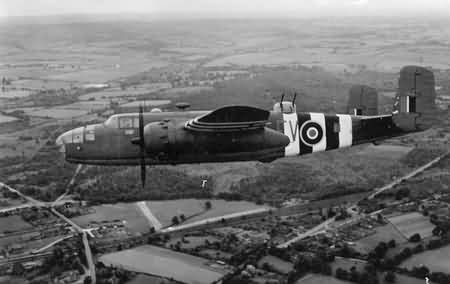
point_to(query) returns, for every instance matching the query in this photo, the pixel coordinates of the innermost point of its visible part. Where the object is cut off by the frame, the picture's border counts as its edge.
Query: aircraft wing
(229, 119)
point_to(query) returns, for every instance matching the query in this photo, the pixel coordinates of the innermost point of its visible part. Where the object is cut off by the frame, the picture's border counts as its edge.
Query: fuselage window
(136, 122)
(125, 122)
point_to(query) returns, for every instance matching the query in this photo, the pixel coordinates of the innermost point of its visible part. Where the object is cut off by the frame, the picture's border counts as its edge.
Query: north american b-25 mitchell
(244, 133)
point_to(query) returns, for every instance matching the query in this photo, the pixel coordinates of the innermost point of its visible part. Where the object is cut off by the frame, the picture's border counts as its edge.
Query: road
(152, 220)
(69, 185)
(89, 257)
(50, 206)
(52, 244)
(87, 248)
(27, 198)
(323, 226)
(311, 232)
(407, 176)
(211, 222)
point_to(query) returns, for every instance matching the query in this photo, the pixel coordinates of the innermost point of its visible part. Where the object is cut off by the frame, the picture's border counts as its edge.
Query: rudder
(414, 106)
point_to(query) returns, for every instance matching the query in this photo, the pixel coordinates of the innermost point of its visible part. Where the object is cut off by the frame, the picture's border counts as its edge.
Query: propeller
(281, 102)
(142, 145)
(140, 141)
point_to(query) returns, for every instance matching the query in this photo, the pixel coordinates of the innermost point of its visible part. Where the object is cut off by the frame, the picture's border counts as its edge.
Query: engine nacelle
(169, 139)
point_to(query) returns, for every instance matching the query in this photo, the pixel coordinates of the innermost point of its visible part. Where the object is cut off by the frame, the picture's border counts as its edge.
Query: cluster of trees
(106, 275)
(316, 263)
(62, 259)
(33, 214)
(121, 185)
(368, 276)
(380, 250)
(377, 256)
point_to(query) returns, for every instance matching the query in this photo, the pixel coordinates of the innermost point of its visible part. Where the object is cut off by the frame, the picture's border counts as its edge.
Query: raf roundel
(311, 133)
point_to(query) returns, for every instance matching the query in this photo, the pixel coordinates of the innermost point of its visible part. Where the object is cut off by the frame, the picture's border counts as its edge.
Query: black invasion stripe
(332, 135)
(302, 118)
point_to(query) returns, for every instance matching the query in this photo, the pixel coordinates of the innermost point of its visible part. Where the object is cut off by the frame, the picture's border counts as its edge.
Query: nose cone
(71, 136)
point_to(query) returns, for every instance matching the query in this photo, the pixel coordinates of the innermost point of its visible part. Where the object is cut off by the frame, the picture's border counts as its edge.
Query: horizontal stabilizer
(230, 118)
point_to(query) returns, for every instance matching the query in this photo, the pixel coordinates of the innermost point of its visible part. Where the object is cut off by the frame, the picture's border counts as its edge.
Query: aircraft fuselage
(170, 142)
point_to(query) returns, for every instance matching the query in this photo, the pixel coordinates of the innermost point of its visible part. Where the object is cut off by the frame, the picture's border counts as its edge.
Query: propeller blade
(142, 145)
(143, 173)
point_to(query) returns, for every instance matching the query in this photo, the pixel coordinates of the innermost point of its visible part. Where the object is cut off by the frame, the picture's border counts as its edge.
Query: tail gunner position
(245, 133)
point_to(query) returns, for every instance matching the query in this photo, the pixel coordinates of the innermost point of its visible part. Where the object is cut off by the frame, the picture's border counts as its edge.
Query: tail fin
(414, 107)
(362, 100)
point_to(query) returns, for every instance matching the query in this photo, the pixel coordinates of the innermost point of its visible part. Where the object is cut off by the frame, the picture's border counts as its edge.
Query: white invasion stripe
(346, 130)
(407, 103)
(320, 119)
(291, 130)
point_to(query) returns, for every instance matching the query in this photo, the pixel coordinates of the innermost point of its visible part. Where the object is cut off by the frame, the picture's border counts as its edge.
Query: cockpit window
(125, 122)
(111, 122)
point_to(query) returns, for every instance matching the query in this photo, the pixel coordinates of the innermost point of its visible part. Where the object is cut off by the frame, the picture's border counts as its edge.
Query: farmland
(13, 223)
(159, 261)
(320, 279)
(436, 260)
(277, 263)
(382, 234)
(127, 213)
(194, 209)
(412, 223)
(4, 118)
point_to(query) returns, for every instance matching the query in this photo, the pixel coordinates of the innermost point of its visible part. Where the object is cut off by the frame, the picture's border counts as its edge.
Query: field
(383, 234)
(134, 91)
(347, 264)
(4, 118)
(182, 91)
(162, 262)
(14, 94)
(194, 209)
(73, 110)
(127, 212)
(277, 263)
(412, 223)
(436, 260)
(12, 280)
(13, 223)
(320, 279)
(147, 279)
(147, 103)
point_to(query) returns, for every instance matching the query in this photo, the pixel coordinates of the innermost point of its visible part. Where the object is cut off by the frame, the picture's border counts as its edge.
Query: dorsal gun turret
(285, 106)
(362, 100)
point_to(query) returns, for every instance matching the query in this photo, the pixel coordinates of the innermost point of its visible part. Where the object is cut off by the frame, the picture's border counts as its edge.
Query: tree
(354, 274)
(87, 280)
(437, 231)
(182, 218)
(420, 272)
(175, 220)
(18, 269)
(392, 243)
(390, 277)
(341, 274)
(208, 205)
(415, 238)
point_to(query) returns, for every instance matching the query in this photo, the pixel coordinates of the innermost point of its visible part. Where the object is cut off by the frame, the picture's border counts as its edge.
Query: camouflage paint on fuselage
(110, 143)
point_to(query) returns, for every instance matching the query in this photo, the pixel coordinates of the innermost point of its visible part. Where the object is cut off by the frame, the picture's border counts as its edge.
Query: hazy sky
(299, 8)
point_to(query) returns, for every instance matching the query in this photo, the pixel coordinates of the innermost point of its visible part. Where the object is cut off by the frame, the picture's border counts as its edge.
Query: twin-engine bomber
(245, 133)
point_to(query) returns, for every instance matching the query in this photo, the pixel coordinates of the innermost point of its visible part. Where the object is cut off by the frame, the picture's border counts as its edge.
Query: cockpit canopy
(122, 121)
(285, 107)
